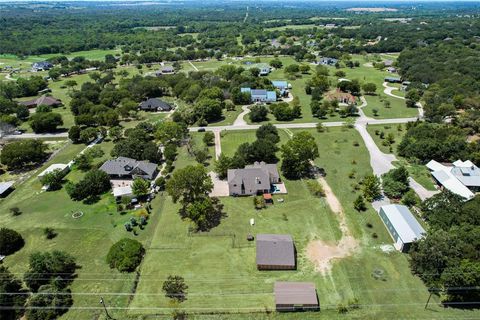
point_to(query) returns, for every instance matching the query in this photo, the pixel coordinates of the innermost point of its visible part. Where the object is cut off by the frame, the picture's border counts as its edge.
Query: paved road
(37, 135)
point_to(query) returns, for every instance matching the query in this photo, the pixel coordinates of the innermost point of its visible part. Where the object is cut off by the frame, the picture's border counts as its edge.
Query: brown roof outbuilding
(291, 296)
(275, 252)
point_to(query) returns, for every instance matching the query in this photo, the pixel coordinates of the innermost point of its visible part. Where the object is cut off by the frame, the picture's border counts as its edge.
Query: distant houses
(326, 61)
(275, 252)
(263, 67)
(154, 104)
(41, 66)
(258, 178)
(260, 95)
(402, 226)
(391, 69)
(393, 80)
(42, 101)
(295, 296)
(340, 97)
(459, 177)
(165, 70)
(388, 63)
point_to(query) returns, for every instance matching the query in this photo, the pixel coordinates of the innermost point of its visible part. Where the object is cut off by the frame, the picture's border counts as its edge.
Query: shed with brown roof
(275, 252)
(42, 101)
(295, 296)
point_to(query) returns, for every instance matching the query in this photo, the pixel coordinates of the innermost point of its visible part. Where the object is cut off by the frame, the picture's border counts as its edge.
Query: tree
(45, 121)
(209, 138)
(268, 132)
(19, 154)
(53, 180)
(258, 113)
(410, 198)
(201, 155)
(125, 255)
(175, 288)
(140, 187)
(70, 84)
(369, 88)
(261, 150)
(283, 112)
(12, 296)
(359, 204)
(48, 267)
(49, 303)
(208, 109)
(74, 134)
(395, 182)
(276, 63)
(87, 135)
(304, 68)
(297, 155)
(22, 112)
(115, 133)
(170, 132)
(95, 183)
(371, 187)
(10, 241)
(205, 212)
(189, 184)
(83, 162)
(222, 164)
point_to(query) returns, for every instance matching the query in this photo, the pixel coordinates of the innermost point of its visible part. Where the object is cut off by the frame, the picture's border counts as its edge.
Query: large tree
(12, 296)
(95, 183)
(125, 255)
(19, 154)
(298, 154)
(175, 288)
(189, 184)
(45, 121)
(10, 241)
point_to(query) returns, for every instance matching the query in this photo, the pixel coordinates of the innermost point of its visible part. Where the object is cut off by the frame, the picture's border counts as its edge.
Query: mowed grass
(396, 109)
(418, 171)
(88, 238)
(219, 266)
(293, 27)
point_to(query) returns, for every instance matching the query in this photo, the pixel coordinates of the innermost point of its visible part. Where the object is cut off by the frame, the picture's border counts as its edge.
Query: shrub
(315, 188)
(15, 211)
(125, 255)
(10, 241)
(49, 233)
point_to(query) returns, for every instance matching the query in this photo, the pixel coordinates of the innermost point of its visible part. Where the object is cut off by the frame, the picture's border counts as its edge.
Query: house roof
(258, 92)
(43, 100)
(456, 178)
(340, 95)
(4, 186)
(280, 83)
(393, 79)
(53, 167)
(42, 64)
(301, 293)
(271, 96)
(243, 90)
(122, 191)
(126, 166)
(275, 249)
(154, 103)
(167, 69)
(405, 224)
(254, 177)
(388, 63)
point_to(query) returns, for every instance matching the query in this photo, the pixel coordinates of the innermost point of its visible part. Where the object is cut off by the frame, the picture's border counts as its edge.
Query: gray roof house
(402, 225)
(327, 61)
(275, 252)
(154, 104)
(127, 168)
(41, 66)
(165, 70)
(295, 296)
(253, 179)
(42, 101)
(260, 95)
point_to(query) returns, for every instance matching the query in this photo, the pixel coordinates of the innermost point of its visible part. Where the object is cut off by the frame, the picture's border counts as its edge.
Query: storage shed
(275, 252)
(295, 296)
(402, 225)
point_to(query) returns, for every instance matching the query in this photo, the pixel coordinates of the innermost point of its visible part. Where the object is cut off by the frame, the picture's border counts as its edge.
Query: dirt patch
(322, 253)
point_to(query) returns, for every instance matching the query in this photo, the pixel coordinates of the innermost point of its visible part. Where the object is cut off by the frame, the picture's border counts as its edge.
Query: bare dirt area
(323, 254)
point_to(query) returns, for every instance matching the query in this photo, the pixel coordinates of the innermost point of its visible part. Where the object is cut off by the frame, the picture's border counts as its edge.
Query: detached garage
(295, 296)
(402, 225)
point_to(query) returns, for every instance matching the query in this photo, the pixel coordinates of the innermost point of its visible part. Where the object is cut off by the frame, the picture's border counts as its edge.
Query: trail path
(193, 66)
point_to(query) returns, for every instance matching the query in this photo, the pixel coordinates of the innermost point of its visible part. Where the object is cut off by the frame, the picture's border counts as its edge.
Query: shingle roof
(295, 293)
(275, 249)
(154, 103)
(405, 224)
(254, 177)
(127, 166)
(43, 100)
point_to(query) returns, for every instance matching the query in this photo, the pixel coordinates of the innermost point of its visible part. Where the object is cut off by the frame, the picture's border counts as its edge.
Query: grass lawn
(219, 266)
(418, 171)
(292, 26)
(397, 108)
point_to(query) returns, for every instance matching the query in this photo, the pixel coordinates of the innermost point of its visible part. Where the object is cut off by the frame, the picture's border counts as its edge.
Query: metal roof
(4, 186)
(280, 83)
(296, 293)
(275, 249)
(53, 167)
(405, 224)
(453, 179)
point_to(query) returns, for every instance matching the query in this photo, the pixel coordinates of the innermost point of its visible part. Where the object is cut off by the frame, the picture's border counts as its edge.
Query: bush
(49, 233)
(125, 255)
(15, 211)
(10, 241)
(315, 188)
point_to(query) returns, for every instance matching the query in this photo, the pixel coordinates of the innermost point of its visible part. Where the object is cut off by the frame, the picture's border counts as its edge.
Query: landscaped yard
(396, 109)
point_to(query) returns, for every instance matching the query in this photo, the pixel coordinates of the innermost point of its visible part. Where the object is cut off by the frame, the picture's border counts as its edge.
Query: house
(42, 101)
(64, 168)
(281, 85)
(129, 169)
(295, 296)
(260, 95)
(6, 188)
(341, 97)
(41, 66)
(165, 70)
(154, 104)
(275, 252)
(388, 63)
(402, 225)
(328, 61)
(460, 177)
(263, 67)
(253, 179)
(393, 80)
(391, 69)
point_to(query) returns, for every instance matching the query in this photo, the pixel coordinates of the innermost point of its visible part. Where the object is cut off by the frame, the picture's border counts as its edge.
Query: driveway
(240, 121)
(220, 187)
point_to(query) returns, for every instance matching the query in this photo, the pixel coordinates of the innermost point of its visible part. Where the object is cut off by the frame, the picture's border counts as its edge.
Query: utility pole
(102, 302)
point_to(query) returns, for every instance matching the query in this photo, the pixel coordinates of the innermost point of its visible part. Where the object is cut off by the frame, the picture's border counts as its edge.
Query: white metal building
(402, 225)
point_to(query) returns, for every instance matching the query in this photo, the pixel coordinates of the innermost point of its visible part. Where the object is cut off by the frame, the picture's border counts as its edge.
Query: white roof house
(401, 224)
(53, 167)
(459, 178)
(122, 191)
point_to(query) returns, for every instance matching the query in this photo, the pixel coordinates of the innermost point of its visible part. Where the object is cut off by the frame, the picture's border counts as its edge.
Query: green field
(293, 27)
(397, 108)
